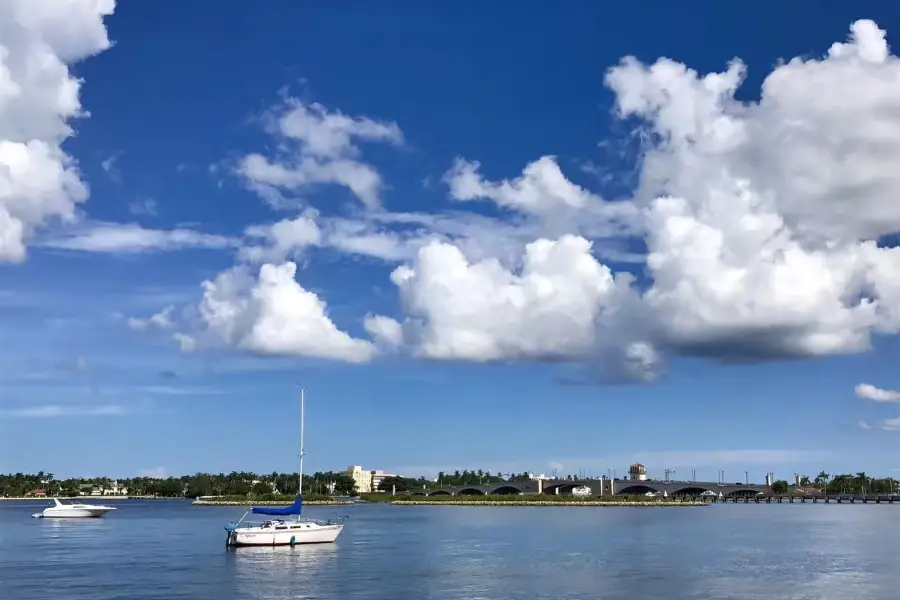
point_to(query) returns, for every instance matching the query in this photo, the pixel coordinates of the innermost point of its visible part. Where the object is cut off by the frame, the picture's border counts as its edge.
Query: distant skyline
(564, 238)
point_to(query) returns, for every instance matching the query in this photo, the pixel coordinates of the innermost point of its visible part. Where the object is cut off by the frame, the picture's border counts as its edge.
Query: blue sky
(402, 159)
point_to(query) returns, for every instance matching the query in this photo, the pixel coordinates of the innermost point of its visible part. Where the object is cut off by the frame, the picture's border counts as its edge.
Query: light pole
(746, 478)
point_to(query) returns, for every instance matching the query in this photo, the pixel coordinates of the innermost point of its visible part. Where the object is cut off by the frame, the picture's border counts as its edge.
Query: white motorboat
(74, 510)
(284, 531)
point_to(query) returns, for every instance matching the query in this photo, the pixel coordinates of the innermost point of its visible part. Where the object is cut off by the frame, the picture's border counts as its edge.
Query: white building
(114, 489)
(637, 472)
(377, 477)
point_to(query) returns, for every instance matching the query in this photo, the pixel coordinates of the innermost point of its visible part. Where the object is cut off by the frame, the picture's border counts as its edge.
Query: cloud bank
(763, 222)
(39, 182)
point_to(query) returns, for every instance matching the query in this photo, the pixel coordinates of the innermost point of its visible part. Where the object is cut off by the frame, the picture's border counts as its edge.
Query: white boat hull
(305, 533)
(73, 511)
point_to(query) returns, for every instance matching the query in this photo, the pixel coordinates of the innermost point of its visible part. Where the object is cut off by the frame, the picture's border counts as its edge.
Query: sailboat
(287, 531)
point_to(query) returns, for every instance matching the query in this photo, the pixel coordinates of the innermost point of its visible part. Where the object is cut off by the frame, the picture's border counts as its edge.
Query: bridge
(603, 487)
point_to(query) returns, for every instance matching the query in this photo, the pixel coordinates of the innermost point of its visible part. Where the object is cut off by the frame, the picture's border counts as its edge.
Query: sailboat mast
(302, 409)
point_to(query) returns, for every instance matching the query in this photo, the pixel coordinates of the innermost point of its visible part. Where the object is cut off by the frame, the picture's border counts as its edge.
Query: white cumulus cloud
(482, 311)
(867, 391)
(763, 223)
(271, 313)
(562, 304)
(761, 220)
(541, 188)
(762, 216)
(551, 203)
(39, 40)
(318, 146)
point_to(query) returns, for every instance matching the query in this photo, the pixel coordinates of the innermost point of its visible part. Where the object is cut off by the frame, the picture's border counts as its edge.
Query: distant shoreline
(268, 503)
(544, 503)
(91, 498)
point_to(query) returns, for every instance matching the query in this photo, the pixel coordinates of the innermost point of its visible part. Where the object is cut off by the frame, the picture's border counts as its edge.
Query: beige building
(366, 481)
(361, 477)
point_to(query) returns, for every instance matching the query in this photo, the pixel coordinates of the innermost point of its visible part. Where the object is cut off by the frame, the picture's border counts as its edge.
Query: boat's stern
(229, 533)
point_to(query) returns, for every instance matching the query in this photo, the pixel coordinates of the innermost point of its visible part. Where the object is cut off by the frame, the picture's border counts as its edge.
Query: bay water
(168, 549)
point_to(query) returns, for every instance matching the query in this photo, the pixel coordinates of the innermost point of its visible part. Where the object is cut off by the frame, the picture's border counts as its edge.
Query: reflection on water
(307, 555)
(173, 551)
(300, 571)
(72, 532)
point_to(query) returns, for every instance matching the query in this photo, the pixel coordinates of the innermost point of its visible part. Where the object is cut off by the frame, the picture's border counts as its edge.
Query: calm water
(169, 550)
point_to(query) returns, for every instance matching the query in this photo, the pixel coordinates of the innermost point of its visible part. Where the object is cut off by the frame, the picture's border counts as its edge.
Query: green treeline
(443, 480)
(189, 486)
(330, 483)
(847, 484)
(234, 484)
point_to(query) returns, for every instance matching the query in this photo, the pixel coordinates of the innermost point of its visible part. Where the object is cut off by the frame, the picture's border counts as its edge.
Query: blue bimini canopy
(293, 509)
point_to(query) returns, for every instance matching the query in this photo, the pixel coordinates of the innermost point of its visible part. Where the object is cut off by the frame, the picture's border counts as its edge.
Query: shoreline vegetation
(488, 500)
(251, 502)
(529, 500)
(406, 500)
(82, 498)
(336, 487)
